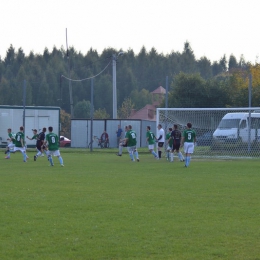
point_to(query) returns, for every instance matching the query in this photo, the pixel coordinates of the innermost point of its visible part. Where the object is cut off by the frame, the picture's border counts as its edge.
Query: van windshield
(229, 123)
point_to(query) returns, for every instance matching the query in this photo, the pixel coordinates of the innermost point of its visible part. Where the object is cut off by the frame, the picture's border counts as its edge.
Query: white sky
(213, 27)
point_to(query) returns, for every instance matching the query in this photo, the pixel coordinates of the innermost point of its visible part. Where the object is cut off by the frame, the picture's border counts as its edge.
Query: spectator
(104, 140)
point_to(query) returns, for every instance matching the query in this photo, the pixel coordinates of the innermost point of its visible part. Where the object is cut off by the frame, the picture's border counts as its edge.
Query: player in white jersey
(160, 140)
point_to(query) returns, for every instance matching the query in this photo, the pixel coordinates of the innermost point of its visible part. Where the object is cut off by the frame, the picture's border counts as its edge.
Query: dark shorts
(160, 144)
(38, 147)
(176, 146)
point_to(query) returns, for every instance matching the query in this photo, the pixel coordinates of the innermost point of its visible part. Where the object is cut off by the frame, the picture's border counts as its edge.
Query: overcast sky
(212, 27)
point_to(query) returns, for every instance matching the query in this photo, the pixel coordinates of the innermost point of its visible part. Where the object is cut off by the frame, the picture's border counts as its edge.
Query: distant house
(149, 111)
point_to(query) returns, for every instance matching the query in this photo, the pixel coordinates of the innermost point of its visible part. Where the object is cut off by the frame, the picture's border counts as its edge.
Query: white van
(236, 127)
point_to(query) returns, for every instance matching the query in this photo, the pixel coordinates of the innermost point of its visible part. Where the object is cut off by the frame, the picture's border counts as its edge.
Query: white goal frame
(206, 120)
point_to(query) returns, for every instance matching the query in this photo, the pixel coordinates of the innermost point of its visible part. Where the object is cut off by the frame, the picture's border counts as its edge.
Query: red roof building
(149, 111)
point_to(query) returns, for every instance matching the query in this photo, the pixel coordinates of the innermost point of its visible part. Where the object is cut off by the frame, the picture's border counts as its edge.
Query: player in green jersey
(188, 140)
(35, 135)
(150, 139)
(10, 146)
(20, 143)
(52, 141)
(131, 144)
(169, 142)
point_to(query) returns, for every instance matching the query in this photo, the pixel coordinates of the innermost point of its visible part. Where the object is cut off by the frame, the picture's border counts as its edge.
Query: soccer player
(20, 144)
(160, 140)
(118, 134)
(11, 140)
(169, 142)
(40, 144)
(122, 143)
(131, 144)
(176, 143)
(35, 136)
(53, 143)
(188, 139)
(150, 139)
(39, 141)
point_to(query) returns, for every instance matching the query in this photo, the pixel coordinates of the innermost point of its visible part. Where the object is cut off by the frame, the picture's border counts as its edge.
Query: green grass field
(101, 206)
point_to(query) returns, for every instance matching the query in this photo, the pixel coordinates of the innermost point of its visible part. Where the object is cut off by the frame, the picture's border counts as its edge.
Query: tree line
(193, 82)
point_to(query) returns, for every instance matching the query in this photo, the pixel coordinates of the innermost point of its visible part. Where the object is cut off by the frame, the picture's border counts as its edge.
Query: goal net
(220, 132)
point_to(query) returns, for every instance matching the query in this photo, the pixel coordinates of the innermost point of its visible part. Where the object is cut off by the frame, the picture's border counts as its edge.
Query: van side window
(255, 123)
(243, 124)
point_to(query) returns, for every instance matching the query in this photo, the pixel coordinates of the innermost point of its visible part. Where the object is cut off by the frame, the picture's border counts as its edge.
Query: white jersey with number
(161, 133)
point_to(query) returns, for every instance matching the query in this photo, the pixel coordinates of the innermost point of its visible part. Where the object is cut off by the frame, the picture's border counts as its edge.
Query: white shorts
(54, 153)
(131, 149)
(169, 148)
(188, 147)
(11, 145)
(21, 149)
(151, 146)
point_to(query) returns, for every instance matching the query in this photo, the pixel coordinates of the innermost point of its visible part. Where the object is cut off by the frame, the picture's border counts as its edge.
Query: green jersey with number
(18, 137)
(131, 138)
(35, 137)
(150, 137)
(189, 135)
(12, 137)
(53, 141)
(167, 138)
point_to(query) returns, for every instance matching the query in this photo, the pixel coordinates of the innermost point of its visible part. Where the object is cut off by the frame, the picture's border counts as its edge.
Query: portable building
(36, 117)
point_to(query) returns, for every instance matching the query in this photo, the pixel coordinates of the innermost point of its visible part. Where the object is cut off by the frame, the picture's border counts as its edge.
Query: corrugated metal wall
(81, 131)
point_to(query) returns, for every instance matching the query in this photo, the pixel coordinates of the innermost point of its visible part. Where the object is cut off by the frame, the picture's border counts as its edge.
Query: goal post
(220, 132)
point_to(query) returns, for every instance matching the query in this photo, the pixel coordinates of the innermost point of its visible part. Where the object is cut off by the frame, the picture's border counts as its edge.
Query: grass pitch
(101, 206)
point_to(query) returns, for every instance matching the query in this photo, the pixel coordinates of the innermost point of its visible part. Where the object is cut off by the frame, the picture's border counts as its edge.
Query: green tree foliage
(239, 85)
(188, 61)
(191, 90)
(126, 108)
(202, 81)
(223, 63)
(141, 98)
(82, 109)
(232, 63)
(65, 123)
(205, 69)
(188, 91)
(101, 113)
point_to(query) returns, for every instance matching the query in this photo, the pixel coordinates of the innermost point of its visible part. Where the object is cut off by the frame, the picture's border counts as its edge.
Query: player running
(131, 144)
(52, 141)
(10, 146)
(39, 141)
(20, 143)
